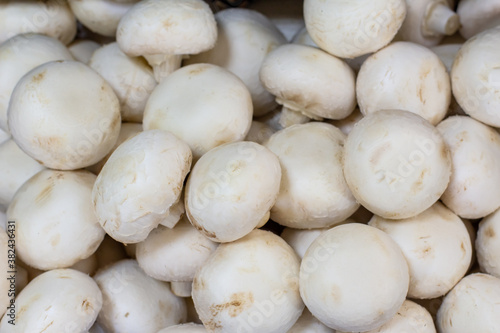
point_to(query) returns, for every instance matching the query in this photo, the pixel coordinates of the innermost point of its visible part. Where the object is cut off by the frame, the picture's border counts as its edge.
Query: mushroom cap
(404, 76)
(259, 132)
(475, 77)
(153, 27)
(83, 49)
(250, 284)
(78, 111)
(488, 244)
(184, 328)
(307, 323)
(313, 191)
(477, 16)
(57, 205)
(472, 306)
(354, 278)
(436, 245)
(56, 301)
(348, 29)
(301, 239)
(396, 163)
(474, 189)
(204, 105)
(309, 80)
(231, 190)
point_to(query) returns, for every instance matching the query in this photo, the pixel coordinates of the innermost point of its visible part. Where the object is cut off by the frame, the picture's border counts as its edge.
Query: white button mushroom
(477, 16)
(302, 37)
(259, 132)
(183, 27)
(472, 306)
(301, 239)
(135, 302)
(307, 323)
(347, 124)
(348, 29)
(404, 76)
(396, 163)
(83, 49)
(138, 184)
(354, 278)
(204, 105)
(61, 300)
(184, 328)
(488, 244)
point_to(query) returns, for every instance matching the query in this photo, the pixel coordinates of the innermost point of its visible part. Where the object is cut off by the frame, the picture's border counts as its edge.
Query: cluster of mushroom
(166, 168)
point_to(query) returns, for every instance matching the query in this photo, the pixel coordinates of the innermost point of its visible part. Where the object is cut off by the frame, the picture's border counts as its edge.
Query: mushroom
(404, 76)
(286, 15)
(244, 38)
(231, 190)
(204, 105)
(348, 29)
(83, 49)
(302, 37)
(347, 124)
(447, 54)
(139, 183)
(396, 163)
(183, 27)
(477, 16)
(473, 146)
(436, 245)
(432, 305)
(313, 191)
(301, 239)
(354, 277)
(186, 328)
(249, 285)
(472, 306)
(488, 244)
(80, 122)
(4, 136)
(19, 55)
(181, 288)
(52, 18)
(259, 132)
(7, 264)
(131, 79)
(57, 205)
(59, 300)
(3, 220)
(310, 81)
(475, 77)
(135, 302)
(307, 323)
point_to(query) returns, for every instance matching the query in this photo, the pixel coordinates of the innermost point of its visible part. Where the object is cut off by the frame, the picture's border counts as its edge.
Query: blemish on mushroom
(489, 232)
(236, 305)
(39, 77)
(50, 324)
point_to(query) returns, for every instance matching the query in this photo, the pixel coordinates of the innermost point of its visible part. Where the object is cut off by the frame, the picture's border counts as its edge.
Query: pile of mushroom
(293, 166)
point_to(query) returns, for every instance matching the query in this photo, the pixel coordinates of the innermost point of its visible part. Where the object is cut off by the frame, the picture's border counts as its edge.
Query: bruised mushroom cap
(348, 29)
(396, 163)
(488, 244)
(231, 190)
(138, 184)
(404, 76)
(184, 328)
(472, 306)
(55, 301)
(83, 49)
(475, 77)
(477, 16)
(354, 278)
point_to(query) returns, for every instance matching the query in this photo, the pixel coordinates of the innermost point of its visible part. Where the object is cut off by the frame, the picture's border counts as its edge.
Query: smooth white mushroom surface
(4, 136)
(231, 190)
(472, 306)
(301, 239)
(184, 328)
(83, 49)
(259, 132)
(313, 191)
(64, 115)
(249, 285)
(488, 244)
(139, 183)
(396, 163)
(404, 76)
(348, 29)
(477, 16)
(353, 278)
(57, 205)
(60, 300)
(307, 323)
(135, 302)
(302, 37)
(347, 124)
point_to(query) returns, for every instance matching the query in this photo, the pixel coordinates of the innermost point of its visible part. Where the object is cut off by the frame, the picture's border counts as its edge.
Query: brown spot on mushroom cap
(126, 315)
(237, 303)
(39, 77)
(44, 194)
(490, 232)
(336, 293)
(87, 306)
(50, 324)
(47, 143)
(445, 152)
(197, 69)
(55, 240)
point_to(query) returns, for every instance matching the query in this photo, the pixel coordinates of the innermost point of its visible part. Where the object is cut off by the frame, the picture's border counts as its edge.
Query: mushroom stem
(440, 19)
(290, 117)
(163, 64)
(181, 288)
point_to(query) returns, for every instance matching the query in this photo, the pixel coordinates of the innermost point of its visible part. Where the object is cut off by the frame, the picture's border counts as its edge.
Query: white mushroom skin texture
(307, 323)
(474, 189)
(64, 115)
(301, 239)
(488, 244)
(477, 16)
(475, 77)
(472, 306)
(396, 163)
(60, 300)
(249, 285)
(138, 184)
(348, 29)
(404, 76)
(354, 278)
(231, 189)
(83, 49)
(184, 328)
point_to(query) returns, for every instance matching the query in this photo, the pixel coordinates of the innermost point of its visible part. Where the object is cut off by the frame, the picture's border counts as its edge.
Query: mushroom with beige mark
(488, 244)
(477, 16)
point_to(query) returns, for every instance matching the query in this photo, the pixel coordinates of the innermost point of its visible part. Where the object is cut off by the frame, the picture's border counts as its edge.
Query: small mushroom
(83, 49)
(259, 132)
(182, 288)
(184, 328)
(488, 244)
(477, 16)
(307, 323)
(301, 239)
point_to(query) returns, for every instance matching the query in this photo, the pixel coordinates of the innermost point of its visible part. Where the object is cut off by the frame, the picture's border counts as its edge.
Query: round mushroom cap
(182, 26)
(138, 184)
(309, 80)
(57, 205)
(475, 77)
(59, 300)
(354, 278)
(404, 76)
(472, 306)
(301, 239)
(83, 49)
(184, 328)
(396, 163)
(477, 16)
(204, 105)
(348, 29)
(488, 244)
(307, 323)
(64, 115)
